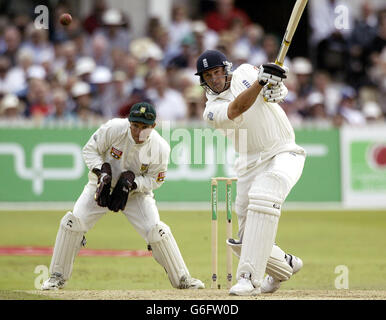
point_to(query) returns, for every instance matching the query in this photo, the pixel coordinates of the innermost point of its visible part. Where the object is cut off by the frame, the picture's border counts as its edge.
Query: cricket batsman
(127, 161)
(269, 163)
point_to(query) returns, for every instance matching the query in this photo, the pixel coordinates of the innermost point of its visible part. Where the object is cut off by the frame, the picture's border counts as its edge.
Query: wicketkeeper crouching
(127, 161)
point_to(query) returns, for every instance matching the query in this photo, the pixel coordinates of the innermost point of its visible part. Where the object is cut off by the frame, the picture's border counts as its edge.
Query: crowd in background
(94, 69)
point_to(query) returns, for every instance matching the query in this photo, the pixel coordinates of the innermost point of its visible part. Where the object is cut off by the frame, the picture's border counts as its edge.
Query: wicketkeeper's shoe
(244, 287)
(55, 282)
(270, 284)
(191, 283)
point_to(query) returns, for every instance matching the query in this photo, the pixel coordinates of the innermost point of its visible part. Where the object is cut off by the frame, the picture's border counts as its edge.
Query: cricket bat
(293, 22)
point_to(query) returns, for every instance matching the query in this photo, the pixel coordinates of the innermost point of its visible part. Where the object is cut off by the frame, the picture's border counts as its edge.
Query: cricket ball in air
(65, 19)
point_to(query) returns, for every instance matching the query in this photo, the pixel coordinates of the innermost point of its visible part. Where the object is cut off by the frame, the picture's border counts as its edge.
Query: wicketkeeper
(244, 104)
(127, 161)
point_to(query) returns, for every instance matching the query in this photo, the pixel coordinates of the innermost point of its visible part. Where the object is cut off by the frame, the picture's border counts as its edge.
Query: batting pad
(67, 245)
(259, 236)
(277, 265)
(166, 253)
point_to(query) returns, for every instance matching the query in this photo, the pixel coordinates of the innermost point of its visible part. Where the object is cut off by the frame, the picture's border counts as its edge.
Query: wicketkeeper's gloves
(121, 191)
(102, 193)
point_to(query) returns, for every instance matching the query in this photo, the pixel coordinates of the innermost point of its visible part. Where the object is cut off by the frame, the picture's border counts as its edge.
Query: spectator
(271, 48)
(12, 39)
(252, 40)
(134, 81)
(332, 55)
(99, 50)
(316, 110)
(38, 105)
(195, 99)
(373, 113)
(153, 24)
(181, 81)
(18, 74)
(322, 20)
(119, 91)
(81, 41)
(60, 112)
(94, 20)
(84, 68)
(137, 95)
(222, 17)
(162, 40)
(37, 40)
(184, 58)
(331, 91)
(348, 108)
(70, 57)
(303, 69)
(226, 42)
(377, 57)
(240, 55)
(81, 94)
(169, 103)
(290, 107)
(364, 32)
(103, 96)
(11, 108)
(180, 26)
(36, 71)
(113, 29)
(118, 57)
(5, 81)
(204, 38)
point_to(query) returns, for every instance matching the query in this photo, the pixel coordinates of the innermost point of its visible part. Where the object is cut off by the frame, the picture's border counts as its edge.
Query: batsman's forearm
(244, 101)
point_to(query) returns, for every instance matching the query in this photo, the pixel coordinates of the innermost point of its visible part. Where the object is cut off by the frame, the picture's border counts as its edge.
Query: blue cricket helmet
(210, 59)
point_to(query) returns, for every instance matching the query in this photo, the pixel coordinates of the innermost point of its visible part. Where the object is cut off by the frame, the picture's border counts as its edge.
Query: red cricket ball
(65, 19)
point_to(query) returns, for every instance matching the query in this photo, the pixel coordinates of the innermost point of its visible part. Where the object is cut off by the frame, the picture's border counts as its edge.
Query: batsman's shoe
(244, 287)
(270, 284)
(55, 282)
(191, 283)
(295, 262)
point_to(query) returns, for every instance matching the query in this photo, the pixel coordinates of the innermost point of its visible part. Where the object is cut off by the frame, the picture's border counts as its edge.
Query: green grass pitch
(324, 240)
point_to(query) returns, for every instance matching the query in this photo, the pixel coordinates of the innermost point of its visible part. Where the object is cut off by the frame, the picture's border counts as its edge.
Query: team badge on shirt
(115, 153)
(161, 176)
(144, 168)
(210, 116)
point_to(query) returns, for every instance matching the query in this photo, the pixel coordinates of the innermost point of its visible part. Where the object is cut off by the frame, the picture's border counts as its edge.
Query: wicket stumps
(228, 202)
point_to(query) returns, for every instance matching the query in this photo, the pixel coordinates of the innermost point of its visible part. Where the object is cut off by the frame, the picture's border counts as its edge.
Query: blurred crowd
(94, 69)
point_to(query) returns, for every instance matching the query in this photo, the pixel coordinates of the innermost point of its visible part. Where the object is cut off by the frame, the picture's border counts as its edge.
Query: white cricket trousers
(140, 210)
(287, 164)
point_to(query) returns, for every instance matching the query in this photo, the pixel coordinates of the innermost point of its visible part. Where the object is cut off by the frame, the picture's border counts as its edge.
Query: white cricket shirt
(260, 132)
(113, 143)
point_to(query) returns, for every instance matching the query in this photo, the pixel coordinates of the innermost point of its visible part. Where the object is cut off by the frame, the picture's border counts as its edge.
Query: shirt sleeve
(216, 114)
(97, 145)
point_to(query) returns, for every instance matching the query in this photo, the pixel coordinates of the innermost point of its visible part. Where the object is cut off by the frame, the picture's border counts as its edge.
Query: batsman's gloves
(275, 93)
(272, 74)
(102, 193)
(121, 191)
